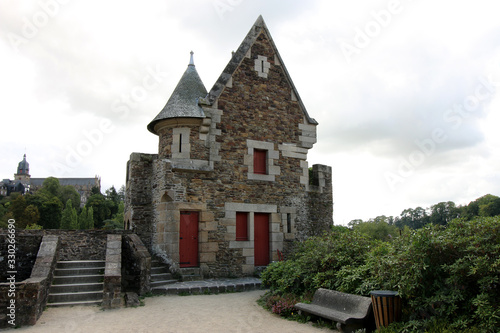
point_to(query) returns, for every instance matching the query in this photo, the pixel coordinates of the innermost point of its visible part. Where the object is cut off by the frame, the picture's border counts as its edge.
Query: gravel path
(231, 312)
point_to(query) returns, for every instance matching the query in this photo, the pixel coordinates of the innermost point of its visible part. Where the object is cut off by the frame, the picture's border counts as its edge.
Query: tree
(95, 190)
(82, 219)
(121, 193)
(100, 208)
(90, 218)
(378, 228)
(69, 192)
(85, 219)
(51, 187)
(119, 217)
(31, 216)
(50, 213)
(354, 223)
(114, 198)
(69, 219)
(414, 218)
(490, 209)
(17, 207)
(112, 225)
(3, 212)
(443, 212)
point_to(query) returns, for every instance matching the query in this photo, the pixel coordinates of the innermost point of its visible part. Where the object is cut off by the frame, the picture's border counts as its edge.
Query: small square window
(241, 226)
(260, 161)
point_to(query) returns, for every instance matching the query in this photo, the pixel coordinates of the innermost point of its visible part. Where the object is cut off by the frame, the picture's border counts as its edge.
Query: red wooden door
(261, 239)
(188, 239)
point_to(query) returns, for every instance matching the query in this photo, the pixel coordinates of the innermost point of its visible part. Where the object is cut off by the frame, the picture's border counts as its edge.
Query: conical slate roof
(183, 103)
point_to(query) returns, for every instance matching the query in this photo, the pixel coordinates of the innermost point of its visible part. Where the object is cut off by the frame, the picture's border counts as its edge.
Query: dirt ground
(232, 312)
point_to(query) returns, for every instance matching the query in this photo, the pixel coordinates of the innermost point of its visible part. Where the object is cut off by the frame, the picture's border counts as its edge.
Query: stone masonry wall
(75, 244)
(24, 299)
(138, 196)
(26, 252)
(136, 268)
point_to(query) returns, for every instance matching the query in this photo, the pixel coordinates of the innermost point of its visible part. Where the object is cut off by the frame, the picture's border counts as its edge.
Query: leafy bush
(317, 262)
(451, 273)
(283, 305)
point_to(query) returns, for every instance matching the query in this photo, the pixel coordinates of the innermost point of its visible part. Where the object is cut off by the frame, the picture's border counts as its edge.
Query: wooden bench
(351, 312)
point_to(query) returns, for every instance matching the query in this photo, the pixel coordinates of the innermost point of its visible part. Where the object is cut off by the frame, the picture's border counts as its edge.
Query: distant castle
(23, 183)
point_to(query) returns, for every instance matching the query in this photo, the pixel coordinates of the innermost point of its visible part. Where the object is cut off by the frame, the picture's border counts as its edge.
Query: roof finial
(191, 61)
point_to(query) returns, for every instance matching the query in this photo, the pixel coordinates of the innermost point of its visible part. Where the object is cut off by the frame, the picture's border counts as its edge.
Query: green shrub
(317, 262)
(451, 273)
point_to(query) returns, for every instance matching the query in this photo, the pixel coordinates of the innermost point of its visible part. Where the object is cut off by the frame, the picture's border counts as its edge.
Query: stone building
(230, 187)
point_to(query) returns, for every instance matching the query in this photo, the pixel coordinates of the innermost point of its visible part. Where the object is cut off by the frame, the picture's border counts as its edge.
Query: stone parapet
(136, 269)
(112, 273)
(27, 299)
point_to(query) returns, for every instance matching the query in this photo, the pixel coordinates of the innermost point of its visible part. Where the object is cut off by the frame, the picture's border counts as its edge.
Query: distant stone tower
(23, 172)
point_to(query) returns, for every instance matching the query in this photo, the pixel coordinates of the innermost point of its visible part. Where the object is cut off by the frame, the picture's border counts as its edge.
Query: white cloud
(89, 61)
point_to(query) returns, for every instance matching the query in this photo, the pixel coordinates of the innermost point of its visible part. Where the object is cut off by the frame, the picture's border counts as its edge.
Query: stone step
(161, 276)
(98, 302)
(78, 282)
(73, 288)
(76, 279)
(81, 264)
(79, 271)
(159, 270)
(154, 284)
(210, 286)
(191, 274)
(75, 297)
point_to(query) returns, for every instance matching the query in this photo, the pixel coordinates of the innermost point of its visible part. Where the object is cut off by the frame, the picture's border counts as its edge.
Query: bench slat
(340, 307)
(342, 317)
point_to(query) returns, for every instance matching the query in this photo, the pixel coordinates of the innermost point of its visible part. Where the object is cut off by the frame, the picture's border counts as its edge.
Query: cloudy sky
(405, 92)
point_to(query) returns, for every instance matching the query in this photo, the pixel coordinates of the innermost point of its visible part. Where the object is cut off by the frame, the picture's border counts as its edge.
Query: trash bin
(386, 307)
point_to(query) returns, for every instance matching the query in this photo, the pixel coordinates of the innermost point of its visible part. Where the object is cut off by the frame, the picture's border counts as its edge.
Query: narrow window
(180, 142)
(241, 226)
(289, 223)
(260, 161)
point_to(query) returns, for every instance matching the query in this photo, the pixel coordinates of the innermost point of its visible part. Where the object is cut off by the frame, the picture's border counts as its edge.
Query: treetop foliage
(439, 214)
(55, 206)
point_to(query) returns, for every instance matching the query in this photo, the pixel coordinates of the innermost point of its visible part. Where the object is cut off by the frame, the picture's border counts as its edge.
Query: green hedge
(451, 273)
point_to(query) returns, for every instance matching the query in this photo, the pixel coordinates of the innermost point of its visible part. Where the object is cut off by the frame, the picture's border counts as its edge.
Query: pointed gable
(224, 79)
(183, 103)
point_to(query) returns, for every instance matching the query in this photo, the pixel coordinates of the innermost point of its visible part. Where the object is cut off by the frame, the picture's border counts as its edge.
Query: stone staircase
(160, 274)
(77, 283)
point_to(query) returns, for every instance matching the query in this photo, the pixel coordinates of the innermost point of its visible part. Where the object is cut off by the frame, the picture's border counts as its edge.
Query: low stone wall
(26, 300)
(26, 249)
(112, 273)
(136, 269)
(79, 244)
